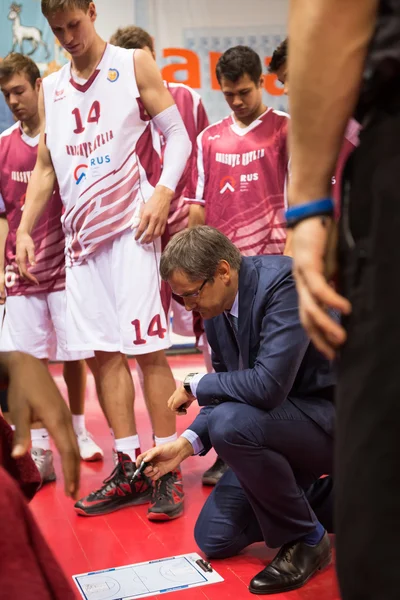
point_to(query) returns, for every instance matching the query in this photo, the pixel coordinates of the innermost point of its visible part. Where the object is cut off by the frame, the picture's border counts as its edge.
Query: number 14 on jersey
(93, 117)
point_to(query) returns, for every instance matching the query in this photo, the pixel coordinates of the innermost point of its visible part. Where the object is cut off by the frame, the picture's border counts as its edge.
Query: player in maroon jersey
(239, 183)
(34, 319)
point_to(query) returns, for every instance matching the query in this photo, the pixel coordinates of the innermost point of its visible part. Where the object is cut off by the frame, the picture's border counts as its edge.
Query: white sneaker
(43, 460)
(88, 449)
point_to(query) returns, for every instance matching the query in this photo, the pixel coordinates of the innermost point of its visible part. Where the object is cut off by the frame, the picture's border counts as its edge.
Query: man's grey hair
(197, 252)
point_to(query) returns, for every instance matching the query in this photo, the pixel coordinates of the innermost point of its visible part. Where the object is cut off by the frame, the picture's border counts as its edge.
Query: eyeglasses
(194, 294)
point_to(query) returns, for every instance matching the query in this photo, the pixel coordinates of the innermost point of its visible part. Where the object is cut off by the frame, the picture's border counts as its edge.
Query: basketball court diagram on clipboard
(146, 579)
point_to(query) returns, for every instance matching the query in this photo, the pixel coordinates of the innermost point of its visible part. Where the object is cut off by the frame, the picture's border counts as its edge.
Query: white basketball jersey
(101, 145)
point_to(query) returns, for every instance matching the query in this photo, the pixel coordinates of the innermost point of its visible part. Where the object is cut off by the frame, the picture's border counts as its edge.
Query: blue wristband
(295, 214)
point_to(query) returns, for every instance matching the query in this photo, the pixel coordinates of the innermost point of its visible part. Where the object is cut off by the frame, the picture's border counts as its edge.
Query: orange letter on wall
(270, 81)
(191, 65)
(214, 57)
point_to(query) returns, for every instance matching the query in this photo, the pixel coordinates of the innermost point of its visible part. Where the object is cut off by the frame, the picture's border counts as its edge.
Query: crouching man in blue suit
(267, 410)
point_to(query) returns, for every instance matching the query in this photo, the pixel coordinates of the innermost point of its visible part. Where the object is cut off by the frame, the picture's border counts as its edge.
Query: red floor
(125, 537)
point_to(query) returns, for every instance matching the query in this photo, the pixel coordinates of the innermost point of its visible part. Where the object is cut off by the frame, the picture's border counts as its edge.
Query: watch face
(186, 382)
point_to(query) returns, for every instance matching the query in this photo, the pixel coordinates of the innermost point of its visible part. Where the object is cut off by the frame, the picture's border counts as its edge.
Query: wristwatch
(186, 382)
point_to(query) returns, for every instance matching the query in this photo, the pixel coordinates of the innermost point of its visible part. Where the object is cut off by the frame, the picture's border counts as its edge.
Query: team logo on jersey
(246, 179)
(113, 75)
(227, 184)
(59, 95)
(80, 173)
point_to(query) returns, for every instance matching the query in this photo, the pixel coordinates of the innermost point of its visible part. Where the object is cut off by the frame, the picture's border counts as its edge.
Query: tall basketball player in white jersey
(96, 141)
(34, 319)
(195, 118)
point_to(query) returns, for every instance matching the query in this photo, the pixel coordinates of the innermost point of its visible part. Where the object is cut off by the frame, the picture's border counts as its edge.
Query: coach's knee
(227, 427)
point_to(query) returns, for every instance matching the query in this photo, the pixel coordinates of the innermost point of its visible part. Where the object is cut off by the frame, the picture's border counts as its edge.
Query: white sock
(160, 441)
(40, 439)
(129, 445)
(78, 423)
(12, 427)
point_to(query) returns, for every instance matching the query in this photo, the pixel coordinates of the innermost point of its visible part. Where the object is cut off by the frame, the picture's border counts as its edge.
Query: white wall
(186, 14)
(112, 14)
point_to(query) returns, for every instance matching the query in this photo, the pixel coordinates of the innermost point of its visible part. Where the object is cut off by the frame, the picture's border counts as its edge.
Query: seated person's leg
(227, 523)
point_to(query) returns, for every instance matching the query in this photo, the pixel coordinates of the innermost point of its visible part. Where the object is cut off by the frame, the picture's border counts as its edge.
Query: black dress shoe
(292, 567)
(214, 473)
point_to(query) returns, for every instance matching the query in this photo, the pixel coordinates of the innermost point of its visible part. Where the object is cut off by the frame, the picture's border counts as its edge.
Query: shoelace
(288, 553)
(84, 437)
(111, 481)
(163, 486)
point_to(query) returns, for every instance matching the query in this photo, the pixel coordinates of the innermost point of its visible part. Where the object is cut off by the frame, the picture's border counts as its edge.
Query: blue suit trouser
(277, 458)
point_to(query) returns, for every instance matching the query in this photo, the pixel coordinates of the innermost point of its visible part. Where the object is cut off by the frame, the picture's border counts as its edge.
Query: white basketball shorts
(115, 299)
(35, 324)
(182, 320)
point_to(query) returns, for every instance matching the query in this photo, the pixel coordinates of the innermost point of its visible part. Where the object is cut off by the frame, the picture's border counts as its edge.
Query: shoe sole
(82, 513)
(152, 516)
(321, 567)
(94, 458)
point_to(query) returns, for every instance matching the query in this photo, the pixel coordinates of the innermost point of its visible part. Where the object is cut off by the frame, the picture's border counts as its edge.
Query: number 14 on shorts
(155, 328)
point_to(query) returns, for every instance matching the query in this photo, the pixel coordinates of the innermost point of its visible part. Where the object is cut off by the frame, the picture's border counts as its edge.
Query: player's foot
(167, 498)
(88, 449)
(214, 473)
(43, 460)
(119, 490)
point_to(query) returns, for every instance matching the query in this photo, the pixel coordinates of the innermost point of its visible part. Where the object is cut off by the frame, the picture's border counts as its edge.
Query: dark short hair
(16, 63)
(279, 57)
(197, 252)
(132, 37)
(239, 61)
(52, 6)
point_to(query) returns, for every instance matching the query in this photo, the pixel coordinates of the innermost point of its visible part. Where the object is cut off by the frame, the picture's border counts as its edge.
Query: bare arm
(328, 45)
(153, 92)
(42, 181)
(196, 215)
(160, 105)
(38, 194)
(32, 391)
(3, 238)
(287, 251)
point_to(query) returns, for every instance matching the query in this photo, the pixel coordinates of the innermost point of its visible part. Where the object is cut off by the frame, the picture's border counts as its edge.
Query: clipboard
(146, 579)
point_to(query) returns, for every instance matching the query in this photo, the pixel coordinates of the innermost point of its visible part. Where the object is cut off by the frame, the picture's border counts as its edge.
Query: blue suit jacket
(278, 358)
